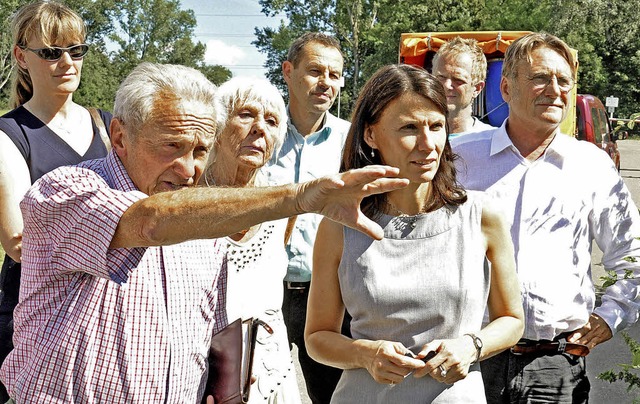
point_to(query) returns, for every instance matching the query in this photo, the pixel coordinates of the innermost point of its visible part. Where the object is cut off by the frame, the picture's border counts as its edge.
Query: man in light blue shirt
(312, 148)
(559, 195)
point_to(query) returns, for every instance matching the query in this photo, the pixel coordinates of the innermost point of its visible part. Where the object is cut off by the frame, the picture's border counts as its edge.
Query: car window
(597, 125)
(580, 125)
(607, 127)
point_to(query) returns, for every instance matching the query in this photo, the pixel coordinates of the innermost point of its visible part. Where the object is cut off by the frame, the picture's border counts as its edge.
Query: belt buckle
(292, 286)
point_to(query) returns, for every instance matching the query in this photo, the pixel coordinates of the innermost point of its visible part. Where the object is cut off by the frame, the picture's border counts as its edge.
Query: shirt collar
(117, 175)
(318, 136)
(500, 139)
(558, 147)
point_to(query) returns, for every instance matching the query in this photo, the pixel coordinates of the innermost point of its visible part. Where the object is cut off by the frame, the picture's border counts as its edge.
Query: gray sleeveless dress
(425, 280)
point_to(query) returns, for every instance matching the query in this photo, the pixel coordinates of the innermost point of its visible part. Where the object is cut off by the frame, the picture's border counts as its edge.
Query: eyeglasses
(565, 84)
(54, 53)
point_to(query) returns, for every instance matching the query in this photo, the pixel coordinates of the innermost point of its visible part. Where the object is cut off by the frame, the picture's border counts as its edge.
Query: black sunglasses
(54, 53)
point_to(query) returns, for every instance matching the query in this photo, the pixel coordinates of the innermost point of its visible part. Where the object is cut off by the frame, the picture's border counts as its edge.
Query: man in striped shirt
(120, 262)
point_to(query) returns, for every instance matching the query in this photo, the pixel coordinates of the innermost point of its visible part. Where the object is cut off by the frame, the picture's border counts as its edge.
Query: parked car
(592, 125)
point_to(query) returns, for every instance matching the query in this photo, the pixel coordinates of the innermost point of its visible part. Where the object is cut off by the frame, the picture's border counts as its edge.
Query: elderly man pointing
(117, 304)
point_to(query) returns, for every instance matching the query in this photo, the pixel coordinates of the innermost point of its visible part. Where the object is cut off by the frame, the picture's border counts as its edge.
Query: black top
(42, 148)
(44, 151)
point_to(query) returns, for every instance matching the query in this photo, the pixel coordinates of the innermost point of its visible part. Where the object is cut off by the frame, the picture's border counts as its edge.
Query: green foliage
(628, 372)
(122, 34)
(611, 276)
(216, 74)
(603, 32)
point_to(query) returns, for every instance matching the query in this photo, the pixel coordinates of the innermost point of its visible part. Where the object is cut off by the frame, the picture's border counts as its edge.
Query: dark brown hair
(386, 85)
(297, 46)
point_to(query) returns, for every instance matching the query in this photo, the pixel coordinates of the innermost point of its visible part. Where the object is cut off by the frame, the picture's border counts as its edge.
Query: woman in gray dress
(418, 296)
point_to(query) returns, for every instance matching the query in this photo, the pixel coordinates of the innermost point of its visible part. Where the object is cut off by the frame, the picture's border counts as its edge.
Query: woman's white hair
(138, 93)
(240, 91)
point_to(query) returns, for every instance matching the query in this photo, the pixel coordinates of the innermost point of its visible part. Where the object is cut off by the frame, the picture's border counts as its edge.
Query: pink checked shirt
(97, 325)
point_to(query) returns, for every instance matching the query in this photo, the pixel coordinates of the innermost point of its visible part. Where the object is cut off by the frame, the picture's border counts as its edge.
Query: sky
(226, 27)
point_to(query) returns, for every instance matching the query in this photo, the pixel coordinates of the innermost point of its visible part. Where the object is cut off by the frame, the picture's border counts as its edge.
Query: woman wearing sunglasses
(45, 130)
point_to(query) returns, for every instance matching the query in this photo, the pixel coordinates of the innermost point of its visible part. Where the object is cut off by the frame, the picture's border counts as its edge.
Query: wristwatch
(477, 342)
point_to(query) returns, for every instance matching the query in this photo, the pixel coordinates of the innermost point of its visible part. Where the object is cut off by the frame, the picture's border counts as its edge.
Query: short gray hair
(242, 90)
(137, 95)
(522, 48)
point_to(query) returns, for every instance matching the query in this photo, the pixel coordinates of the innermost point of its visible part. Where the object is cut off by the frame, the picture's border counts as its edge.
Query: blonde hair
(52, 23)
(458, 46)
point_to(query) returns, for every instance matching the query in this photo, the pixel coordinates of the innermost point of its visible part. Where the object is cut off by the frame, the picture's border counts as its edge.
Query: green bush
(628, 372)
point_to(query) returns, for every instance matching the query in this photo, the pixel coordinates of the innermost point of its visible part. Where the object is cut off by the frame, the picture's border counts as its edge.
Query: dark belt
(529, 347)
(296, 285)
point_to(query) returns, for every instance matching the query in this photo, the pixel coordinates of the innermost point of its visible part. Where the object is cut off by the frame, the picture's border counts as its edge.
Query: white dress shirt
(556, 206)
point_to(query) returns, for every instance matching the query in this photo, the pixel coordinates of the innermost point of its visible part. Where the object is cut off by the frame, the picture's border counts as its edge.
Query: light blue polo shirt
(303, 159)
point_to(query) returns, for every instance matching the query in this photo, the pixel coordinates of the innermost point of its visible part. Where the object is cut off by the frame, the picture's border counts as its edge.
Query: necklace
(405, 220)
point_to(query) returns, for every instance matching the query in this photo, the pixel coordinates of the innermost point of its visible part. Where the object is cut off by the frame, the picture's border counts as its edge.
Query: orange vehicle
(593, 126)
(419, 49)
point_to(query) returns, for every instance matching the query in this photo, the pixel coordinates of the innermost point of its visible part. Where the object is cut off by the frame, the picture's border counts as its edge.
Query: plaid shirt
(100, 325)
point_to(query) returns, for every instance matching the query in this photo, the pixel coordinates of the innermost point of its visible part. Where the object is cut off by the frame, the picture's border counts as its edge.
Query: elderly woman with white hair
(251, 128)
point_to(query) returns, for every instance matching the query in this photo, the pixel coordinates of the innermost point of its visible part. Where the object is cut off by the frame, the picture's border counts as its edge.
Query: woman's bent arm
(384, 360)
(14, 183)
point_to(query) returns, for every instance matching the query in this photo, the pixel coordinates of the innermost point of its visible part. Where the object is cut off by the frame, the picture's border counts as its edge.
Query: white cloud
(220, 53)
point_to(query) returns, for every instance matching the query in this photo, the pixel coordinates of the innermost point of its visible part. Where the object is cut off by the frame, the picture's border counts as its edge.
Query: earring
(373, 154)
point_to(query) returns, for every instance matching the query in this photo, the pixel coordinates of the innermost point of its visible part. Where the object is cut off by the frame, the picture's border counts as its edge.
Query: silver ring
(443, 371)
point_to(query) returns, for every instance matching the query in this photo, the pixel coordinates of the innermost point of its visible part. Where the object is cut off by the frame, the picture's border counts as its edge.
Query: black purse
(231, 361)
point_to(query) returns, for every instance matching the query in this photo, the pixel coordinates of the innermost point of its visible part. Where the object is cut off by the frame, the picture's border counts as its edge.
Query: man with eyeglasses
(461, 67)
(312, 148)
(559, 195)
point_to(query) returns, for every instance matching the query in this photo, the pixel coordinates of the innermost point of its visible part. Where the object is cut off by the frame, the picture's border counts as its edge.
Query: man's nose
(553, 87)
(185, 166)
(447, 83)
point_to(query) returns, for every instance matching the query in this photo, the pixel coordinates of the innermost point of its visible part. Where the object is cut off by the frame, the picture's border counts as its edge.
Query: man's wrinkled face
(171, 150)
(538, 95)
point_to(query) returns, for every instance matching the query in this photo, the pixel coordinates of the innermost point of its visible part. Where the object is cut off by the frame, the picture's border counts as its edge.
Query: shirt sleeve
(73, 213)
(616, 225)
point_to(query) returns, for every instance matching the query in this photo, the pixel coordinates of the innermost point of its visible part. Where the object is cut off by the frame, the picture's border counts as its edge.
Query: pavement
(611, 354)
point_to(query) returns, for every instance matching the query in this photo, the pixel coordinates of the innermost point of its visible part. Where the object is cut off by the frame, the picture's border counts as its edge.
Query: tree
(156, 31)
(7, 7)
(347, 20)
(369, 31)
(215, 73)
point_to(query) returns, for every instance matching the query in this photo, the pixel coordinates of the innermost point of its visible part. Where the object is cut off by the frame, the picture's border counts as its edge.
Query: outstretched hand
(338, 197)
